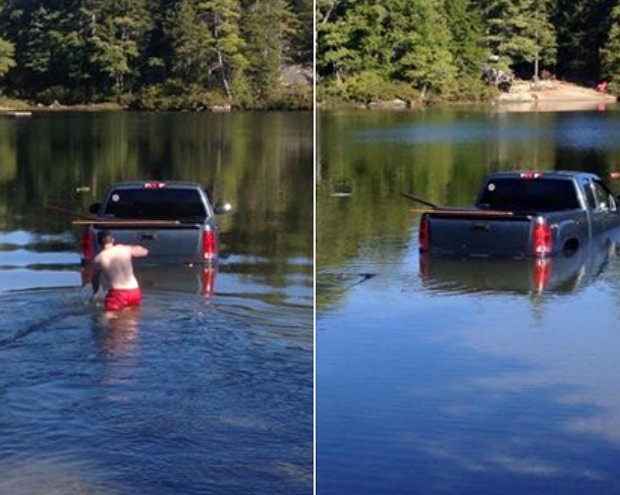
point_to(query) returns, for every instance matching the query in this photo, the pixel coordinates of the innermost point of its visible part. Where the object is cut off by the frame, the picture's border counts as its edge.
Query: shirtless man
(114, 261)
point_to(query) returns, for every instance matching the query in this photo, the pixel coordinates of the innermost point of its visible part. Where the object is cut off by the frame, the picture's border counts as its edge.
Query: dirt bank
(552, 96)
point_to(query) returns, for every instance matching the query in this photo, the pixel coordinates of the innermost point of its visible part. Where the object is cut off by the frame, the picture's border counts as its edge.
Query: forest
(437, 50)
(158, 54)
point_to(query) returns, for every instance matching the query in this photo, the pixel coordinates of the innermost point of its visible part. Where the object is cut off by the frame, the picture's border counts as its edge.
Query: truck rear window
(515, 194)
(152, 204)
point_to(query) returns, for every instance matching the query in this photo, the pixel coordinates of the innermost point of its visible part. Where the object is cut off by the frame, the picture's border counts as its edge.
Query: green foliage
(405, 42)
(466, 29)
(610, 53)
(439, 47)
(191, 41)
(7, 61)
(582, 30)
(176, 95)
(366, 87)
(423, 49)
(295, 96)
(269, 29)
(521, 31)
(116, 34)
(228, 45)
(94, 50)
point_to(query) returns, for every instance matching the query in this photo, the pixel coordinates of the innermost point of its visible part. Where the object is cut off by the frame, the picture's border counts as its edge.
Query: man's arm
(96, 278)
(139, 251)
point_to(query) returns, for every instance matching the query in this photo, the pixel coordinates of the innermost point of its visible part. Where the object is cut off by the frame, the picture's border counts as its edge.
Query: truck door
(595, 220)
(612, 209)
(606, 210)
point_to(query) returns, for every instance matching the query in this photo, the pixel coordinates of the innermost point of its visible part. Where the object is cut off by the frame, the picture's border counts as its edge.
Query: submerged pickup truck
(174, 220)
(522, 215)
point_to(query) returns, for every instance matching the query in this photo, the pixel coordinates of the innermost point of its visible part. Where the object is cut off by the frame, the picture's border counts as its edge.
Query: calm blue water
(187, 396)
(460, 378)
(208, 388)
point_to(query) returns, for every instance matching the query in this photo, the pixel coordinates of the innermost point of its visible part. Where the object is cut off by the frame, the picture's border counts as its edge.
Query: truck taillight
(209, 245)
(531, 175)
(424, 233)
(87, 244)
(542, 238)
(154, 185)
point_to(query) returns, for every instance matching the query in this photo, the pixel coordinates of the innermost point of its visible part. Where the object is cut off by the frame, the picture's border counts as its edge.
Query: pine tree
(468, 53)
(192, 43)
(303, 37)
(422, 41)
(117, 33)
(7, 50)
(39, 40)
(334, 52)
(520, 31)
(222, 17)
(402, 42)
(541, 33)
(583, 28)
(610, 53)
(269, 26)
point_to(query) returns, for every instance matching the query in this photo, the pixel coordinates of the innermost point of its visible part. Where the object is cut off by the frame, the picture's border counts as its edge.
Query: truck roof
(139, 184)
(550, 174)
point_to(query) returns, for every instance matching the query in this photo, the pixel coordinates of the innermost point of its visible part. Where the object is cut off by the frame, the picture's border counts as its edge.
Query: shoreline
(524, 96)
(113, 107)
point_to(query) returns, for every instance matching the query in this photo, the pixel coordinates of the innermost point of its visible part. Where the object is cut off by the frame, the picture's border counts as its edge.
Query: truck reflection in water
(560, 274)
(191, 279)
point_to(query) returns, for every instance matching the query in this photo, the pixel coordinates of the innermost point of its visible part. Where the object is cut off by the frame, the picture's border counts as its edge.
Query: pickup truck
(174, 220)
(522, 215)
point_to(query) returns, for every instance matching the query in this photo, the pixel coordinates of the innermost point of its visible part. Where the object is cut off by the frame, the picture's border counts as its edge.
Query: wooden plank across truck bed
(126, 222)
(446, 211)
(113, 222)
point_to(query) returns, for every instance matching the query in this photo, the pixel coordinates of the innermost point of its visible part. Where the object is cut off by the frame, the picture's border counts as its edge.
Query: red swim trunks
(117, 299)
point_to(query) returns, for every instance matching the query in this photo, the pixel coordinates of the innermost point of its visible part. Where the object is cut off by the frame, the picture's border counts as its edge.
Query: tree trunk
(224, 78)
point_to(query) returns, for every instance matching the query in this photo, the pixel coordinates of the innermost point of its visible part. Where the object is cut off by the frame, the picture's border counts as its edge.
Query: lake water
(208, 389)
(460, 377)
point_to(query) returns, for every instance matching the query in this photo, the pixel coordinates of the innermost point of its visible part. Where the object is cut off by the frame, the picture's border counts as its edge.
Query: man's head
(105, 237)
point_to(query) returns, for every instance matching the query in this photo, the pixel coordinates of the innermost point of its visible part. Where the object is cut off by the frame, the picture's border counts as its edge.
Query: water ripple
(219, 387)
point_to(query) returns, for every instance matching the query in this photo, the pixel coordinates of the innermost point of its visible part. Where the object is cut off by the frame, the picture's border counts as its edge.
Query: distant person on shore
(114, 262)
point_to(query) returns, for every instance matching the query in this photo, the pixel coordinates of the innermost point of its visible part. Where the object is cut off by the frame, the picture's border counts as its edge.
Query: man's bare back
(114, 263)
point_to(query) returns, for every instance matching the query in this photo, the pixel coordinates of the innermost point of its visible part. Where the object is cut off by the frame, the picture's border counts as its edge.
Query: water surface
(208, 387)
(453, 376)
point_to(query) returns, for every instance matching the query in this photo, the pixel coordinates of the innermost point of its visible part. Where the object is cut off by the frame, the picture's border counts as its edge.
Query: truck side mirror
(220, 208)
(94, 208)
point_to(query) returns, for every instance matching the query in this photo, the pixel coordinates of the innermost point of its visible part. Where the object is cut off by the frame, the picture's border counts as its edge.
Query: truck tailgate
(484, 235)
(178, 243)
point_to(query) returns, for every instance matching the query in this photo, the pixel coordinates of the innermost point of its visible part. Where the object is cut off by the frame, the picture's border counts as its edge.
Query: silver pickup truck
(523, 215)
(174, 220)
